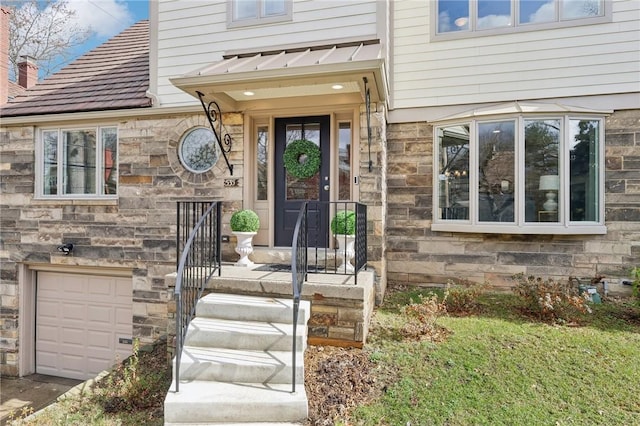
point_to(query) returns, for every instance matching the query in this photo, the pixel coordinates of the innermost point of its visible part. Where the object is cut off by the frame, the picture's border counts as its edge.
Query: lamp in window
(551, 184)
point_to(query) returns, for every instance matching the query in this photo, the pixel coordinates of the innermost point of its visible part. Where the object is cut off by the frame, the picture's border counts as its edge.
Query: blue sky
(107, 18)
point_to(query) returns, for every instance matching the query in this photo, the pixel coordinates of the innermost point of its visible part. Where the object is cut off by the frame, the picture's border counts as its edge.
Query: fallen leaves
(337, 380)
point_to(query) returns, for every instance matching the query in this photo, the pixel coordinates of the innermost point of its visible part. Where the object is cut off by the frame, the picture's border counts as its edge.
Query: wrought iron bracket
(214, 115)
(367, 100)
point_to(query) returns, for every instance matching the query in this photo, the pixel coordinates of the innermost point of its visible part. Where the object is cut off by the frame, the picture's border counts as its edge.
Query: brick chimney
(27, 72)
(4, 55)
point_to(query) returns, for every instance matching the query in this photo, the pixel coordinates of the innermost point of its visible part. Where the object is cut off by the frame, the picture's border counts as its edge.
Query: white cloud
(105, 17)
(494, 21)
(546, 13)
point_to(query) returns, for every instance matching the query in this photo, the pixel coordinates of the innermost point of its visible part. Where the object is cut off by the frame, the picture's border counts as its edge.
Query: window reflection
(274, 7)
(50, 175)
(537, 11)
(110, 159)
(453, 176)
(583, 175)
(457, 16)
(575, 9)
(261, 163)
(344, 161)
(453, 15)
(79, 161)
(542, 181)
(493, 14)
(496, 171)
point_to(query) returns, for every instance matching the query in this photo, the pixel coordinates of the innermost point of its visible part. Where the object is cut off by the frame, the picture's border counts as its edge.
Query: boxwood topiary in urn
(245, 225)
(344, 223)
(245, 221)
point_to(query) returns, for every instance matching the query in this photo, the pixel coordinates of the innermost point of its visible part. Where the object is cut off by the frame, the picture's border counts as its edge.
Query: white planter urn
(244, 247)
(346, 250)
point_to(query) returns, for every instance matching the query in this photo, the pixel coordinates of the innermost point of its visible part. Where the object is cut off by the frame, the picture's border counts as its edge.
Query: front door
(302, 181)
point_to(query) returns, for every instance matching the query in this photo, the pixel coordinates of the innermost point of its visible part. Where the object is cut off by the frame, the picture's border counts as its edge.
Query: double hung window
(521, 174)
(77, 163)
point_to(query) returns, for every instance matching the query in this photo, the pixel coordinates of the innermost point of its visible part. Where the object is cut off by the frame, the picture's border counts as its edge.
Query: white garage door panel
(80, 319)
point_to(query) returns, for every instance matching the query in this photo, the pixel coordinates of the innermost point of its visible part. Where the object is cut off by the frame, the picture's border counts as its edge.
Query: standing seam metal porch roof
(289, 69)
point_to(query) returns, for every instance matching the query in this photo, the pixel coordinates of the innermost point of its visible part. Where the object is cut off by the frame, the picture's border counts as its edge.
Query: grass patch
(500, 367)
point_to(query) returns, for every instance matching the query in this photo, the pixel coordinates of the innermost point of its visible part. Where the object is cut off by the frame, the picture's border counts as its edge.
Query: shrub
(551, 300)
(462, 298)
(635, 273)
(344, 223)
(421, 317)
(245, 221)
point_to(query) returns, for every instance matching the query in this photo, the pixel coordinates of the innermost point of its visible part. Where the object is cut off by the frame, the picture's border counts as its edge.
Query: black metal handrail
(298, 276)
(199, 258)
(321, 262)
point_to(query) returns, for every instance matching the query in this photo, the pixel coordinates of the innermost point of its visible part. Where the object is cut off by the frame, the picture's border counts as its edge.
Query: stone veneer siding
(372, 188)
(137, 231)
(417, 255)
(134, 233)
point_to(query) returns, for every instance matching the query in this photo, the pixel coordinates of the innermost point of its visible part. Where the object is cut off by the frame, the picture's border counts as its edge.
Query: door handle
(326, 187)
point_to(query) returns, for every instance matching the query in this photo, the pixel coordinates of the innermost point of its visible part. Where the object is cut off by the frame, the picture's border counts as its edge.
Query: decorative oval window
(198, 150)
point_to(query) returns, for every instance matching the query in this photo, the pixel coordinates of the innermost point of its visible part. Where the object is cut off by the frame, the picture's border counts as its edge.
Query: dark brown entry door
(292, 191)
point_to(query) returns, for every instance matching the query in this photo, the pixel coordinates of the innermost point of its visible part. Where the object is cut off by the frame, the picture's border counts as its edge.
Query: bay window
(77, 163)
(520, 175)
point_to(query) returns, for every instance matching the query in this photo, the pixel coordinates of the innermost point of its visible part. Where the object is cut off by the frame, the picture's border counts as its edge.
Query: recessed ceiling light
(249, 93)
(337, 87)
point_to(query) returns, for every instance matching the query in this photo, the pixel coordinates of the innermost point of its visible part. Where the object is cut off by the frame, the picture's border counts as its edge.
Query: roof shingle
(114, 75)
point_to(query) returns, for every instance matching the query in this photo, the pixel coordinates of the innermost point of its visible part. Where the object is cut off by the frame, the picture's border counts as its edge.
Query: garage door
(83, 323)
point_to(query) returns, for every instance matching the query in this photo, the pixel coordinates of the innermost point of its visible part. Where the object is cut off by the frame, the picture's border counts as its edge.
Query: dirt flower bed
(336, 381)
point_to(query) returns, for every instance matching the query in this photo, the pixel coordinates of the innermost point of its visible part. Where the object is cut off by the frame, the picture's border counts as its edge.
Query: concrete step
(251, 335)
(241, 366)
(250, 308)
(205, 402)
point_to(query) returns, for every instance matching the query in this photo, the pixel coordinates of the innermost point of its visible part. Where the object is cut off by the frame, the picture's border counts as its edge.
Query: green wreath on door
(302, 158)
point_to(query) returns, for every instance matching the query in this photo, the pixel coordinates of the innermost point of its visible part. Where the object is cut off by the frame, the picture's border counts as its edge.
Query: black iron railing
(198, 244)
(298, 276)
(306, 232)
(336, 254)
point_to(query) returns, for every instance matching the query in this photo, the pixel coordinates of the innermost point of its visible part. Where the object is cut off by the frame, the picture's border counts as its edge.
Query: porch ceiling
(291, 73)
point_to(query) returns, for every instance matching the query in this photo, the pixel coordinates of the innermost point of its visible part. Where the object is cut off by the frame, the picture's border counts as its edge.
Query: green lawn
(500, 367)
(495, 367)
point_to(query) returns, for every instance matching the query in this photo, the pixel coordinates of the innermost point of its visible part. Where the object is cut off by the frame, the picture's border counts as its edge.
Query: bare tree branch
(46, 31)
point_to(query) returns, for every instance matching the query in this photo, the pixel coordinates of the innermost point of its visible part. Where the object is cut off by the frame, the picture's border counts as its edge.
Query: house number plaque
(230, 182)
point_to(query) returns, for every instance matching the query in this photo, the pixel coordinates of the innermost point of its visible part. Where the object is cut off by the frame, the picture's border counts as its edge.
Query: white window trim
(231, 23)
(564, 226)
(39, 168)
(516, 27)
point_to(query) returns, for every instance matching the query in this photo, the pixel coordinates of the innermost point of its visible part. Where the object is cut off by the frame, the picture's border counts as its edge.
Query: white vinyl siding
(573, 61)
(194, 34)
